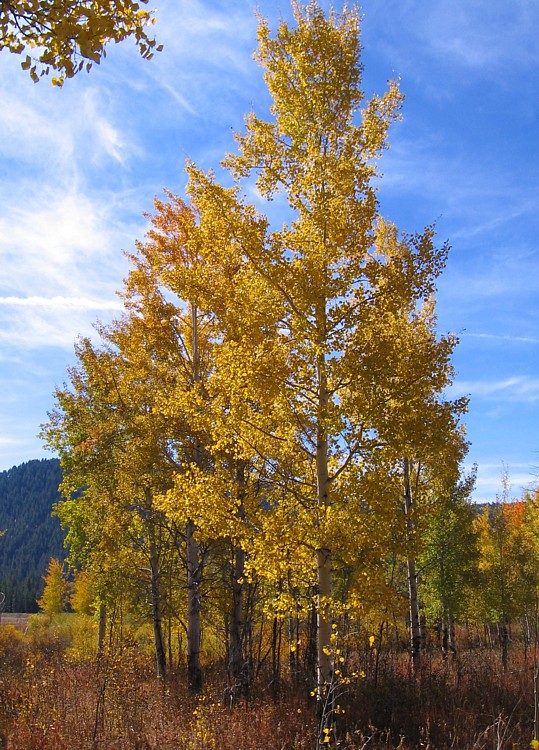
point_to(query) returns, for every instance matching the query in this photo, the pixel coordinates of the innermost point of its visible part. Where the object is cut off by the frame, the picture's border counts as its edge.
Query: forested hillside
(32, 536)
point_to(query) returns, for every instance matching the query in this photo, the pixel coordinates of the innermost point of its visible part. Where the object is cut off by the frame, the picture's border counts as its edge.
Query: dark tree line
(31, 534)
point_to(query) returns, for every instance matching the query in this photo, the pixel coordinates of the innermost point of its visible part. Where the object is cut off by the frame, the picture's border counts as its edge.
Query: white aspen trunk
(324, 651)
(193, 561)
(415, 624)
(155, 574)
(452, 642)
(444, 625)
(323, 641)
(237, 665)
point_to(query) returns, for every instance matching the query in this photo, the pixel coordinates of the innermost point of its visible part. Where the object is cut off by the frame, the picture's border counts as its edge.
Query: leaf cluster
(65, 36)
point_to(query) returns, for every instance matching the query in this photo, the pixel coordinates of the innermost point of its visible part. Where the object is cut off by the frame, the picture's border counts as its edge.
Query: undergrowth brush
(51, 700)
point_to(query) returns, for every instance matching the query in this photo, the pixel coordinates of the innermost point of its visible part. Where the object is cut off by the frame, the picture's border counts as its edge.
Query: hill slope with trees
(31, 535)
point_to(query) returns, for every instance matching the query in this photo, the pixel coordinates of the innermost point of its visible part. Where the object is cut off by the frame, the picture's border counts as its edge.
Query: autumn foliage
(260, 459)
(67, 36)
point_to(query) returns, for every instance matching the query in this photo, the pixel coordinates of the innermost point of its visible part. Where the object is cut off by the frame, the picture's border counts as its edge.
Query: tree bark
(101, 631)
(155, 576)
(193, 560)
(236, 661)
(194, 577)
(415, 622)
(237, 665)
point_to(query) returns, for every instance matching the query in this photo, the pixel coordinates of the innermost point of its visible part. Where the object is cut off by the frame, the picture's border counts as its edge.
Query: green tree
(449, 559)
(104, 433)
(505, 554)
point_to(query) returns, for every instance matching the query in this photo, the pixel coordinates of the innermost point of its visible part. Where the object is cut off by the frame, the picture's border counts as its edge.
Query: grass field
(17, 620)
(52, 697)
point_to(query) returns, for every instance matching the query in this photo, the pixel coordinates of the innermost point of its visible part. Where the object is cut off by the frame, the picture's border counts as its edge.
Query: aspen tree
(196, 254)
(337, 269)
(449, 558)
(56, 592)
(297, 367)
(505, 559)
(405, 368)
(319, 151)
(177, 369)
(111, 441)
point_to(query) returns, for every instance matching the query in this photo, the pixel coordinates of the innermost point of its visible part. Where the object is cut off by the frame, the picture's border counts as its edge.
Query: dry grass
(50, 703)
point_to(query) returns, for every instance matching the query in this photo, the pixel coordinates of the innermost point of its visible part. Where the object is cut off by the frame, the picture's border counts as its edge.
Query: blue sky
(80, 165)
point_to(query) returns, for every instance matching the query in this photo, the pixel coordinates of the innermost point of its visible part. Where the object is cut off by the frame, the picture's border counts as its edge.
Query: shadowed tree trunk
(194, 576)
(155, 576)
(415, 622)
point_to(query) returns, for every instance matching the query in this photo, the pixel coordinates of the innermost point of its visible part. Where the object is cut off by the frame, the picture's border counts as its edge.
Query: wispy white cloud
(480, 36)
(59, 242)
(63, 303)
(40, 322)
(518, 388)
(489, 484)
(62, 133)
(47, 327)
(206, 63)
(11, 441)
(96, 127)
(495, 337)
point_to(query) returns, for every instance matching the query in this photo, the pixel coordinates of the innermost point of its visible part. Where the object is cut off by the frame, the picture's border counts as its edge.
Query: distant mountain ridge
(32, 536)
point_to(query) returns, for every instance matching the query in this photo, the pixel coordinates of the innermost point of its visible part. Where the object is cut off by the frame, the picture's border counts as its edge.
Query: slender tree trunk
(309, 662)
(236, 661)
(276, 658)
(155, 576)
(504, 639)
(324, 650)
(194, 576)
(448, 634)
(160, 654)
(193, 560)
(101, 630)
(452, 641)
(415, 622)
(445, 634)
(323, 555)
(293, 646)
(237, 666)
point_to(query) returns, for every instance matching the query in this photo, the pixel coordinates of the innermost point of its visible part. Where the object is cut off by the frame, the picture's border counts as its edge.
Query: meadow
(56, 695)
